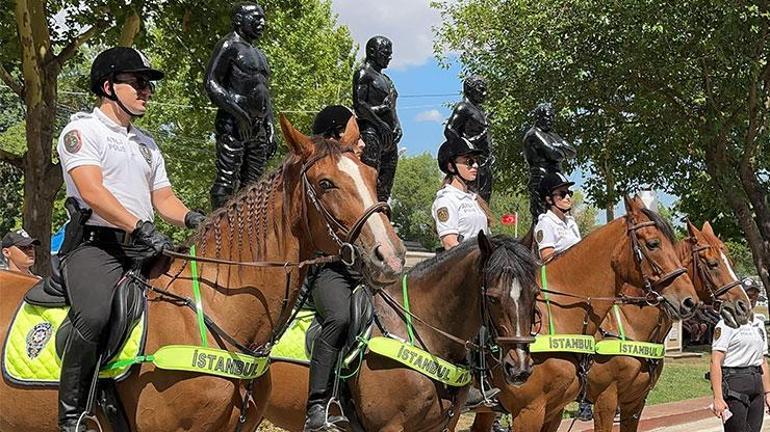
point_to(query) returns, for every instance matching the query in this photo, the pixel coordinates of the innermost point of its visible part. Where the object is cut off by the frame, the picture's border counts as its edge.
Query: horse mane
(510, 256)
(248, 208)
(661, 223)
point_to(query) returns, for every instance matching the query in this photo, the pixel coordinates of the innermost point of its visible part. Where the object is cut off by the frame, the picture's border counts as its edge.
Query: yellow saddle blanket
(29, 353)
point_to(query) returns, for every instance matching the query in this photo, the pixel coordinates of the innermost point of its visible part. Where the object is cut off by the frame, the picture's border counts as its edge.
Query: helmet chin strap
(458, 175)
(115, 97)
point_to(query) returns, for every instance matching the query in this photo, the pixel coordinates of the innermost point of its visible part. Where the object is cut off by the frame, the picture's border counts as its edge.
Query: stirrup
(335, 422)
(84, 416)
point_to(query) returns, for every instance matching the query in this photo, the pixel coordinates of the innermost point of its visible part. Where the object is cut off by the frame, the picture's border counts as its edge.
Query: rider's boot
(77, 369)
(476, 398)
(322, 365)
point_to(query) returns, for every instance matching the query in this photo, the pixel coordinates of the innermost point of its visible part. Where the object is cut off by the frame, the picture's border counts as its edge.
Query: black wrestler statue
(237, 83)
(374, 101)
(544, 150)
(469, 121)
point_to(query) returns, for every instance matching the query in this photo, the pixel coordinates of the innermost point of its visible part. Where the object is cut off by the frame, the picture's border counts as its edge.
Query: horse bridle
(706, 279)
(346, 237)
(640, 254)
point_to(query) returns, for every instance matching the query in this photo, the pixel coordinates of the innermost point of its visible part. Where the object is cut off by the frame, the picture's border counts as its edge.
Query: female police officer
(556, 230)
(739, 373)
(459, 213)
(116, 170)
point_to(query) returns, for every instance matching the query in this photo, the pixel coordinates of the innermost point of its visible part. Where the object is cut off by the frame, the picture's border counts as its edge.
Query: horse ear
(628, 203)
(352, 134)
(299, 144)
(691, 229)
(485, 245)
(707, 229)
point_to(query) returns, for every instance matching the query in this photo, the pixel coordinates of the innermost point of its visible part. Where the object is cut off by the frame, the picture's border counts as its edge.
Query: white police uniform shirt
(552, 232)
(132, 165)
(458, 212)
(743, 346)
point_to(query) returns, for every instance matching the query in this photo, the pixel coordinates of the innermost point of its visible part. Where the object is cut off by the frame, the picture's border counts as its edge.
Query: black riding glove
(193, 219)
(145, 234)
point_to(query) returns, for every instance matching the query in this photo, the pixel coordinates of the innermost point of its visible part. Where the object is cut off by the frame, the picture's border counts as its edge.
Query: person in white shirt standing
(556, 229)
(739, 373)
(117, 171)
(459, 213)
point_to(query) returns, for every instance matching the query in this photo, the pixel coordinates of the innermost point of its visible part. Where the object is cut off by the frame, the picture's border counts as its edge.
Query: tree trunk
(610, 190)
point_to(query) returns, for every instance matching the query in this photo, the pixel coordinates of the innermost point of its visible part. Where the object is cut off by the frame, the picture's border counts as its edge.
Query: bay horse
(584, 281)
(322, 193)
(447, 292)
(625, 380)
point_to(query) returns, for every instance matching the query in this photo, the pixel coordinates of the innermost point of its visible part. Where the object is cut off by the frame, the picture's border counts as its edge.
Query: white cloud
(406, 22)
(429, 116)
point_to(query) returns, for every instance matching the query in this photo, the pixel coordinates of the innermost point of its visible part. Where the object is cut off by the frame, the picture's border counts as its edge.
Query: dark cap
(331, 121)
(551, 182)
(19, 238)
(120, 60)
(453, 147)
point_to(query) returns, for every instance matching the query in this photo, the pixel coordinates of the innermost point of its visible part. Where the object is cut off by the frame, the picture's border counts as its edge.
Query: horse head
(342, 191)
(711, 270)
(648, 259)
(510, 296)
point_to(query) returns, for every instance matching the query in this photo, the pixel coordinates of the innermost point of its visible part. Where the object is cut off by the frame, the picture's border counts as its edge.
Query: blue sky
(415, 71)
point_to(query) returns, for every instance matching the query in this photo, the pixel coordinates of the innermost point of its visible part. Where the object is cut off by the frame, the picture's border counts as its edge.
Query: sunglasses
(563, 194)
(469, 162)
(139, 84)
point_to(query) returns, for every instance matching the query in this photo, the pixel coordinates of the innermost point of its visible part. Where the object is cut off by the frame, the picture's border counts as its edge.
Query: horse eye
(326, 184)
(713, 264)
(653, 244)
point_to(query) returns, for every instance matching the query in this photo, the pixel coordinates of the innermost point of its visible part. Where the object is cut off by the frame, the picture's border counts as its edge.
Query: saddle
(361, 319)
(127, 308)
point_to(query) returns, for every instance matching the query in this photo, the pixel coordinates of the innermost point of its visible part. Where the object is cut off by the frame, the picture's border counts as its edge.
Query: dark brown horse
(446, 292)
(321, 194)
(637, 249)
(626, 381)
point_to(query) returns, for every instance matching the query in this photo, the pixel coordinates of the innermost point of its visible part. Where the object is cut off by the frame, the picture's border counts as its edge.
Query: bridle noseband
(347, 237)
(640, 254)
(706, 279)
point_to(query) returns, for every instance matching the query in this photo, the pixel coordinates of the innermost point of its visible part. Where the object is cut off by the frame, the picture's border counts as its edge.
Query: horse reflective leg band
(544, 283)
(197, 293)
(208, 361)
(408, 314)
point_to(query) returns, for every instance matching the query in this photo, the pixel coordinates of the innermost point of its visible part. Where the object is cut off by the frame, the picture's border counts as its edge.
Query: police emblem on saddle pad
(29, 351)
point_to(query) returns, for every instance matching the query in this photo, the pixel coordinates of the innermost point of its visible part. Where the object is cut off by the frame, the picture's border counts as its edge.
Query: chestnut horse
(447, 291)
(637, 249)
(320, 191)
(628, 380)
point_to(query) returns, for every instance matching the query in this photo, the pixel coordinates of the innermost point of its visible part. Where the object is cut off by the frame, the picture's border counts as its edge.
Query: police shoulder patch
(443, 214)
(72, 141)
(717, 333)
(539, 236)
(146, 154)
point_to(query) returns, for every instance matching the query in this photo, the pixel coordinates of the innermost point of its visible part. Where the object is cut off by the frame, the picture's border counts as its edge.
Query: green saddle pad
(291, 346)
(29, 354)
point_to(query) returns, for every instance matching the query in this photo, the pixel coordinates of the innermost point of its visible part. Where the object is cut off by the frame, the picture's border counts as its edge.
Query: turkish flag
(508, 219)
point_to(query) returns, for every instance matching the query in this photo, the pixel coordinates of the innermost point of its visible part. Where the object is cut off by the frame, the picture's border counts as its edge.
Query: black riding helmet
(331, 121)
(120, 60)
(452, 148)
(551, 182)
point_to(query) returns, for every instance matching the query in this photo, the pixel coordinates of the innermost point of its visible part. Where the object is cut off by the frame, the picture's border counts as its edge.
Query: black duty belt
(97, 234)
(746, 370)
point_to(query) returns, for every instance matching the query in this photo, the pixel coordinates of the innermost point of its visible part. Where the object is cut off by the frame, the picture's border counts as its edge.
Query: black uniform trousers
(744, 394)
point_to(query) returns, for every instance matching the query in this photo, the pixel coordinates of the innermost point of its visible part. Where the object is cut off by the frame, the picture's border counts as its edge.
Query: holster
(73, 233)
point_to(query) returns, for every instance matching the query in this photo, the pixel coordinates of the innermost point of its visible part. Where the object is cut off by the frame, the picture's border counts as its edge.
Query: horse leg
(483, 422)
(604, 409)
(553, 424)
(630, 414)
(530, 419)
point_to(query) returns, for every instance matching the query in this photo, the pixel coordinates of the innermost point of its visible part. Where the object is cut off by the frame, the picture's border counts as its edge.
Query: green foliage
(644, 88)
(417, 180)
(739, 253)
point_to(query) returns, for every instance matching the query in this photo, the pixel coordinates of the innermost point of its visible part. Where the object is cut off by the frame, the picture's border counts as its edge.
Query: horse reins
(707, 279)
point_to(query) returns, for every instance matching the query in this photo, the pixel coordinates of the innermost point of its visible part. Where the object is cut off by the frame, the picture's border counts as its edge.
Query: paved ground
(708, 425)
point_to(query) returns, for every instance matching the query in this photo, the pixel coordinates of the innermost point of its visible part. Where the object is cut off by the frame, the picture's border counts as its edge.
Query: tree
(308, 51)
(414, 189)
(673, 95)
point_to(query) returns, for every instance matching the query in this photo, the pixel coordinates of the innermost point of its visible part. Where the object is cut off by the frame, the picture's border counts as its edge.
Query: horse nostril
(742, 307)
(688, 304)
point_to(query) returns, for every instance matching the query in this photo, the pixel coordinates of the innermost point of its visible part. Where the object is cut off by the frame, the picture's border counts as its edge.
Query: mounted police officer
(556, 229)
(374, 100)
(237, 83)
(117, 171)
(332, 289)
(469, 121)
